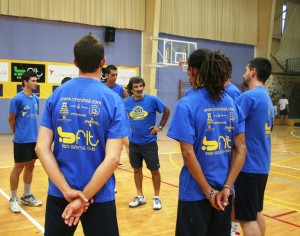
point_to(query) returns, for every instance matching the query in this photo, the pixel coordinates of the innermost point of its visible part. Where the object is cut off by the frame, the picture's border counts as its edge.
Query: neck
(110, 84)
(255, 83)
(27, 92)
(226, 83)
(93, 75)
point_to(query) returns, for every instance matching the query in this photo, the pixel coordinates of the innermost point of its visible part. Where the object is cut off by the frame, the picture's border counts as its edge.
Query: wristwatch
(160, 127)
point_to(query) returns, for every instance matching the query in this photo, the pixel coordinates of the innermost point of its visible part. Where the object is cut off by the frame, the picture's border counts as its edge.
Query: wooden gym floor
(281, 207)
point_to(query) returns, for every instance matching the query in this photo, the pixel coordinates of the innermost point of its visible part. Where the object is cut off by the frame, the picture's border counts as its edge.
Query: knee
(18, 169)
(155, 172)
(138, 171)
(30, 166)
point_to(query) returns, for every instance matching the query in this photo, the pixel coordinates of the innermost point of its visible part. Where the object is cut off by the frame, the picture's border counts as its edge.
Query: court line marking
(284, 174)
(286, 167)
(284, 181)
(296, 136)
(292, 209)
(278, 200)
(6, 167)
(171, 158)
(283, 221)
(284, 214)
(30, 218)
(287, 159)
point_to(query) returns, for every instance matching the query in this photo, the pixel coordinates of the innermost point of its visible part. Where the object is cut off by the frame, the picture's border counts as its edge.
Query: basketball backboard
(171, 52)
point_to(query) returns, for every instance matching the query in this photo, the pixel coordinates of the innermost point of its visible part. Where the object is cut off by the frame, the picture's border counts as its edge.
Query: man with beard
(141, 109)
(259, 115)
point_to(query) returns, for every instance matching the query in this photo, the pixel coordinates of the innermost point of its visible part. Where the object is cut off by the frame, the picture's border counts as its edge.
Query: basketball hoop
(184, 65)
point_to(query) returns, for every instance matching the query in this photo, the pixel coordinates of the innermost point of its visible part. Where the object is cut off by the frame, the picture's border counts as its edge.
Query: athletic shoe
(30, 200)
(120, 165)
(156, 203)
(234, 229)
(115, 190)
(14, 205)
(138, 200)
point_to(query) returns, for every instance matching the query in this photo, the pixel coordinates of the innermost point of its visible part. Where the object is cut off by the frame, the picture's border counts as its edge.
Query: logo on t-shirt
(138, 113)
(219, 146)
(94, 110)
(268, 129)
(210, 122)
(80, 140)
(64, 110)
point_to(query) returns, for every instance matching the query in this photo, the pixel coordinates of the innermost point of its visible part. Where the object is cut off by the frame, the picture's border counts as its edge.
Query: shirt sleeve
(119, 126)
(14, 106)
(182, 128)
(160, 106)
(241, 121)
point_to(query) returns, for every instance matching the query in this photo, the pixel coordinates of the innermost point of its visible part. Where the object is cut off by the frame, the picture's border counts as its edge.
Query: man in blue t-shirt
(234, 93)
(86, 122)
(210, 129)
(259, 114)
(230, 88)
(23, 112)
(111, 75)
(141, 109)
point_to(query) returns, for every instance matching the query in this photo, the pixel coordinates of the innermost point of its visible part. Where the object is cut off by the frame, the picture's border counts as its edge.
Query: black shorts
(249, 195)
(147, 152)
(99, 220)
(24, 152)
(283, 112)
(200, 218)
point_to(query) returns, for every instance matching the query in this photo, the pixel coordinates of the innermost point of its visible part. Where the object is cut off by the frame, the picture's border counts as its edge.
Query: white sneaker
(14, 205)
(156, 203)
(30, 200)
(138, 200)
(234, 229)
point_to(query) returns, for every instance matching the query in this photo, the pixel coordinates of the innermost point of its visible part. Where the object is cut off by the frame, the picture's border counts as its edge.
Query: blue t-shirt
(83, 114)
(142, 115)
(26, 110)
(232, 91)
(211, 129)
(259, 113)
(118, 89)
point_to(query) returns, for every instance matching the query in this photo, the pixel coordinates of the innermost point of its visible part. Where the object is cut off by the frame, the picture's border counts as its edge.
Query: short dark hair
(263, 68)
(66, 79)
(27, 75)
(88, 53)
(109, 68)
(135, 79)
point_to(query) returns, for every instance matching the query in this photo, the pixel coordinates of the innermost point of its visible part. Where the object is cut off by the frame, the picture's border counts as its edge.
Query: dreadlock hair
(229, 67)
(213, 71)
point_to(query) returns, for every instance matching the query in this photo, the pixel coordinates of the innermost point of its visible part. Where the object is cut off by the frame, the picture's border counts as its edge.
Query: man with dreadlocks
(210, 129)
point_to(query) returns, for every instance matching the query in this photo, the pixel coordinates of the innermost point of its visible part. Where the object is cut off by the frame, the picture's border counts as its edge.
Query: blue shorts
(99, 220)
(249, 195)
